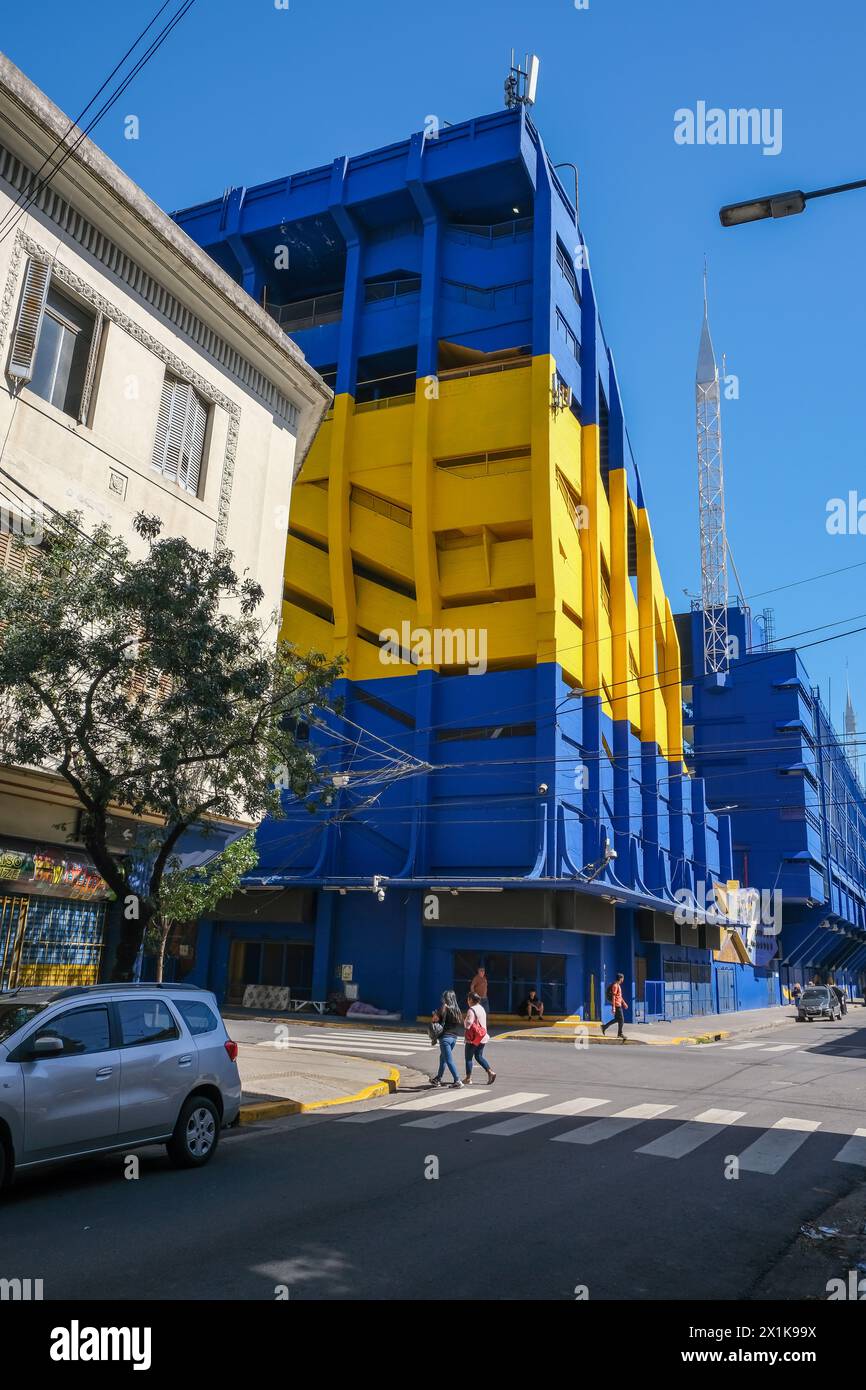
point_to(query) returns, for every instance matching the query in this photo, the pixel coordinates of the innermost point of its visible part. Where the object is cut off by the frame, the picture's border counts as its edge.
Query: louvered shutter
(180, 431)
(90, 373)
(168, 430)
(26, 335)
(193, 450)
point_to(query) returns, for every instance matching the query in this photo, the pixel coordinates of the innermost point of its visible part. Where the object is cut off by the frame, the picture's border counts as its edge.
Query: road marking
(855, 1149)
(340, 1049)
(501, 1102)
(517, 1124)
(497, 1103)
(784, 1047)
(572, 1107)
(600, 1130)
(779, 1143)
(438, 1095)
(743, 1047)
(689, 1136)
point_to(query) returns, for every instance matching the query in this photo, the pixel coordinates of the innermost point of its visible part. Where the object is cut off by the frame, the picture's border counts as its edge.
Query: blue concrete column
(353, 285)
(543, 241)
(323, 941)
(413, 949)
(428, 336)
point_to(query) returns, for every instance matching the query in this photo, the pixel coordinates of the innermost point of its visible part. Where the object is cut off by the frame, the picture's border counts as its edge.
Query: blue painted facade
(388, 269)
(766, 747)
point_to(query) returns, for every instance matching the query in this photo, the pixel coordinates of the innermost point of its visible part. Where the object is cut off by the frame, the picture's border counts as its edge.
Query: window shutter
(90, 373)
(176, 424)
(180, 431)
(167, 430)
(196, 422)
(29, 322)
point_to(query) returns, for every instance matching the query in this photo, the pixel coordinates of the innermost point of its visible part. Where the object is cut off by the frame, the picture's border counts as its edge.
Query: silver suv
(91, 1068)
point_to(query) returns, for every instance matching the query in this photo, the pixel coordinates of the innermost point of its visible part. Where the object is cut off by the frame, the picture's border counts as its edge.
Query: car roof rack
(70, 990)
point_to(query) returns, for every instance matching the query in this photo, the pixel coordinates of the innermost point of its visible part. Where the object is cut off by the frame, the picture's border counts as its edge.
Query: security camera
(381, 895)
(542, 789)
(610, 853)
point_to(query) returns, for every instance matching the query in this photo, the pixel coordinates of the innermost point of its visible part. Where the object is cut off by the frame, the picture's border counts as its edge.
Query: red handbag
(474, 1033)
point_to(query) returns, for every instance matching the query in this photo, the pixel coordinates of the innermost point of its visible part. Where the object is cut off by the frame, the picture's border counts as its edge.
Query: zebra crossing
(776, 1048)
(378, 1043)
(766, 1154)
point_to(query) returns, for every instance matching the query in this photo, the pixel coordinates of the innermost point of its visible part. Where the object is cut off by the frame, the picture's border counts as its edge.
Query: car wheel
(196, 1134)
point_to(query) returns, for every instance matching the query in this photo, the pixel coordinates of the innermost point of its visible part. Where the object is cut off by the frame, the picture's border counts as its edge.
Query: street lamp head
(776, 205)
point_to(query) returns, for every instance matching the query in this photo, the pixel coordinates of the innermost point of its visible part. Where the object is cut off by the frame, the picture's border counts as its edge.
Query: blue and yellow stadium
(469, 532)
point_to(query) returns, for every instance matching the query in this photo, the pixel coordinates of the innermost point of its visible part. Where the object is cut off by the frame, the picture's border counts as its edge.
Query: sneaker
(467, 1081)
(457, 1085)
(491, 1077)
(434, 1081)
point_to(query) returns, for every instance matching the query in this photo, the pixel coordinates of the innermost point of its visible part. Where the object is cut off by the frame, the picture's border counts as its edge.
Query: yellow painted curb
(273, 1109)
(595, 1038)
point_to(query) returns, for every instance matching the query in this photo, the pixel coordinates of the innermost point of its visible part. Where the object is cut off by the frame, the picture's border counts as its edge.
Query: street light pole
(778, 204)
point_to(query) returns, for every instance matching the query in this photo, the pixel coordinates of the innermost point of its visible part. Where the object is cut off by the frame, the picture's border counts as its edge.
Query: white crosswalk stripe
(314, 1045)
(600, 1130)
(743, 1047)
(772, 1150)
(855, 1149)
(784, 1047)
(689, 1136)
(435, 1097)
(484, 1107)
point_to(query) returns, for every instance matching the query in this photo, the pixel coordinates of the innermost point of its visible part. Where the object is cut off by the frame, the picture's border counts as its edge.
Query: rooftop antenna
(521, 84)
(711, 492)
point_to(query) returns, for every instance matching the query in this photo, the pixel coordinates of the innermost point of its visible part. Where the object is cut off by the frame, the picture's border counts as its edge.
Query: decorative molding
(25, 244)
(160, 300)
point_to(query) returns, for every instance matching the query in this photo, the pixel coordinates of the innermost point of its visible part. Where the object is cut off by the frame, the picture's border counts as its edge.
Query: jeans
(446, 1058)
(475, 1053)
(618, 1019)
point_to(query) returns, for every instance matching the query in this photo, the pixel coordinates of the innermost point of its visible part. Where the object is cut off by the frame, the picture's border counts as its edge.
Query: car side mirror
(46, 1046)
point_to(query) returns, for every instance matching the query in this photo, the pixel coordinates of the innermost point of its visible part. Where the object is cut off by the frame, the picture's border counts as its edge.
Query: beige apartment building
(136, 376)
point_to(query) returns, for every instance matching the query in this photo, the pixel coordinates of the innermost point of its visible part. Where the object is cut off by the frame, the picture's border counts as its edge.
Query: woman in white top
(475, 1025)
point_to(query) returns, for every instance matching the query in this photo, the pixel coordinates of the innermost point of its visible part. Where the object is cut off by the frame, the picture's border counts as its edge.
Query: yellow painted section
(478, 503)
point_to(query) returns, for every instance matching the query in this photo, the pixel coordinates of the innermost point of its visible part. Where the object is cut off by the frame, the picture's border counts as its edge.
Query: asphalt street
(638, 1172)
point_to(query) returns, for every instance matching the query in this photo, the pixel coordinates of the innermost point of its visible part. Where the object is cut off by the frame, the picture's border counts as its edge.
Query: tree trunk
(131, 937)
(164, 933)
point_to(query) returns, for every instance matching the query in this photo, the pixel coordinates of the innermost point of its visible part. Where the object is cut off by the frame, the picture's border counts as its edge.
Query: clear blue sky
(243, 92)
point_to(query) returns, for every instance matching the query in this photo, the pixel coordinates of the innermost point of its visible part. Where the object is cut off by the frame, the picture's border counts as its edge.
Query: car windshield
(15, 1013)
(820, 993)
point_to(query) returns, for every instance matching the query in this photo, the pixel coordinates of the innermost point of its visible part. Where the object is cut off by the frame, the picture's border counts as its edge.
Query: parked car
(94, 1068)
(818, 1001)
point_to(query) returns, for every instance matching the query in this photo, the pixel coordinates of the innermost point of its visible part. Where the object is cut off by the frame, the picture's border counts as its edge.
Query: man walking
(618, 1004)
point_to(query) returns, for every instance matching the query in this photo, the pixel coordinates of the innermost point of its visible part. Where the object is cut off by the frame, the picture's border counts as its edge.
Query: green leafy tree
(155, 689)
(186, 895)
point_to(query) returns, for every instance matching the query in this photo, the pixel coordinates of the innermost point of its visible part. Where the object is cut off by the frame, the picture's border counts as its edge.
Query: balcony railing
(308, 313)
(383, 291)
(493, 231)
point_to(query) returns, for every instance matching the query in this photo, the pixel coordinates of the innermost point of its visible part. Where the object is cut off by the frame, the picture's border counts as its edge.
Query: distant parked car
(92, 1068)
(818, 1001)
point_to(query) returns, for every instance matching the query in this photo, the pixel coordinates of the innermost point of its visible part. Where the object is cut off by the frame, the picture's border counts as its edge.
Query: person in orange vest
(618, 1004)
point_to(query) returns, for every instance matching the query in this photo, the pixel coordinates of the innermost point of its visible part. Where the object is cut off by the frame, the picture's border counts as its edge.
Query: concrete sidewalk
(704, 1029)
(281, 1082)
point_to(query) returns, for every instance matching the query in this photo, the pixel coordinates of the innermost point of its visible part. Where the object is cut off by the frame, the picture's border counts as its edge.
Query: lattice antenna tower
(711, 492)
